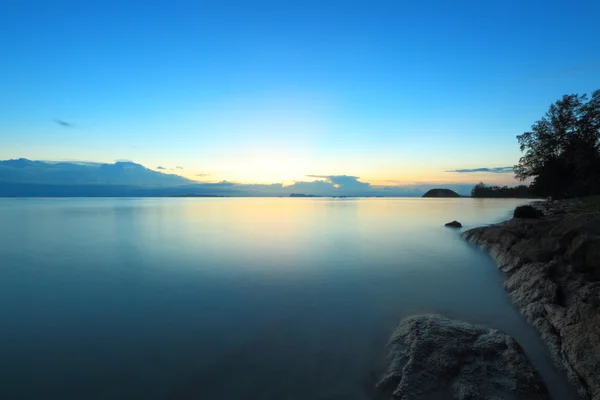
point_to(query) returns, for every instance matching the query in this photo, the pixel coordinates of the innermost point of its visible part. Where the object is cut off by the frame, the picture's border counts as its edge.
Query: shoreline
(552, 277)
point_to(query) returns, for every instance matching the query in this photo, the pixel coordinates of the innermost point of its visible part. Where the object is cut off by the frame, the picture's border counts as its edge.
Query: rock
(527, 212)
(432, 357)
(557, 207)
(454, 224)
(441, 193)
(553, 276)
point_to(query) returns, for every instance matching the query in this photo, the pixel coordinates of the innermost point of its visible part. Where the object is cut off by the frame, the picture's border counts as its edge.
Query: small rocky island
(441, 193)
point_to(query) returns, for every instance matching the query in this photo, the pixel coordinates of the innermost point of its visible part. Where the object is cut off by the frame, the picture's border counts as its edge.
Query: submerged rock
(454, 224)
(432, 357)
(553, 276)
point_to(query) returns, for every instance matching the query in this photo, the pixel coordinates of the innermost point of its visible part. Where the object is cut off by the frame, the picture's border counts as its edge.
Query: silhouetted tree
(562, 150)
(483, 190)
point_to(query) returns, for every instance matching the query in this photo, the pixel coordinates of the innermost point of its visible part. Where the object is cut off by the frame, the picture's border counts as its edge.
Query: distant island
(197, 195)
(303, 195)
(441, 193)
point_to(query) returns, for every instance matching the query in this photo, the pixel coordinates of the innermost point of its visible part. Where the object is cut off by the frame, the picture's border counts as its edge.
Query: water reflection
(232, 298)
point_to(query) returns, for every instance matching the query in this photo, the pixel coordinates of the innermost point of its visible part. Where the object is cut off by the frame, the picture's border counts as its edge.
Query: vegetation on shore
(562, 150)
(590, 204)
(561, 154)
(483, 190)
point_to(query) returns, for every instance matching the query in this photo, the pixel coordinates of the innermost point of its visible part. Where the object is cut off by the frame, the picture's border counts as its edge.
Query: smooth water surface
(233, 298)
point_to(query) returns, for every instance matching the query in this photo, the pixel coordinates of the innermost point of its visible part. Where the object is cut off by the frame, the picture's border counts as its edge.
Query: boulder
(454, 224)
(527, 212)
(432, 357)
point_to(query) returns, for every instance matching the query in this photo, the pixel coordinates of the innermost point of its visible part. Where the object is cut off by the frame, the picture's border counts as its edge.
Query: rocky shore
(552, 264)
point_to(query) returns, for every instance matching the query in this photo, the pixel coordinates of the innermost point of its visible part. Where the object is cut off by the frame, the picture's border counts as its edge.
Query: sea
(235, 298)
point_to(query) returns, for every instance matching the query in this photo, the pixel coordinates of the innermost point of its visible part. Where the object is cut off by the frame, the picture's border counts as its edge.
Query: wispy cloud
(62, 123)
(496, 170)
(336, 178)
(159, 167)
(202, 175)
(77, 162)
(178, 167)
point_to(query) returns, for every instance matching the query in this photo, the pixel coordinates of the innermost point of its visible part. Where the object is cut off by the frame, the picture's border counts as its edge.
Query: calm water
(233, 298)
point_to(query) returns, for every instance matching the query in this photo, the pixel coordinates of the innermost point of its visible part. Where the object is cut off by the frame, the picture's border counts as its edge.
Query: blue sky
(393, 92)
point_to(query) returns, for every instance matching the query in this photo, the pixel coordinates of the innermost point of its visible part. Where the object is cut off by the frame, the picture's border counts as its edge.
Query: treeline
(562, 150)
(483, 190)
(561, 153)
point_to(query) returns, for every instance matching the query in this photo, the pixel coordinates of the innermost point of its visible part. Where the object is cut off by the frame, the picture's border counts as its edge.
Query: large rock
(527, 212)
(454, 224)
(553, 276)
(441, 193)
(432, 357)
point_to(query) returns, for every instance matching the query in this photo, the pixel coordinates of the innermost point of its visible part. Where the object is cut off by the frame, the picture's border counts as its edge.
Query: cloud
(23, 171)
(74, 162)
(336, 179)
(178, 167)
(62, 123)
(223, 184)
(135, 180)
(343, 182)
(317, 187)
(497, 170)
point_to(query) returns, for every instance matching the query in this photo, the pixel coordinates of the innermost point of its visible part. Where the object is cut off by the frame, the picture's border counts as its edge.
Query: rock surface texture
(553, 276)
(432, 357)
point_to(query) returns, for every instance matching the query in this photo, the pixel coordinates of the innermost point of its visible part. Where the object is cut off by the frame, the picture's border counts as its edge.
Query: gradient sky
(395, 92)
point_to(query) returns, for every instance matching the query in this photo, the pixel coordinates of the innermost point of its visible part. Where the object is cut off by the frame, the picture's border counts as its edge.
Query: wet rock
(432, 357)
(553, 276)
(454, 224)
(527, 212)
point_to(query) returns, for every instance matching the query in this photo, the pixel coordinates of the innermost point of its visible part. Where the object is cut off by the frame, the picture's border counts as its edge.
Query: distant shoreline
(176, 196)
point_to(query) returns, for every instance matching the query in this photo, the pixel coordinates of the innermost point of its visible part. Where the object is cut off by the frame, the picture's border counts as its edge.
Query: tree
(562, 150)
(483, 190)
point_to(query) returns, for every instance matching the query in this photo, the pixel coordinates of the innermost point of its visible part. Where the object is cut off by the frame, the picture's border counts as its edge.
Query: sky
(391, 92)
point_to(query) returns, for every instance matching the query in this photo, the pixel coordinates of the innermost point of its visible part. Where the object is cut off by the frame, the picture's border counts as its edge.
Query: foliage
(562, 150)
(483, 190)
(590, 203)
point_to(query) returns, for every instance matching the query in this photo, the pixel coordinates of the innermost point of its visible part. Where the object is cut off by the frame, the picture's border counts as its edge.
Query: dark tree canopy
(483, 190)
(562, 150)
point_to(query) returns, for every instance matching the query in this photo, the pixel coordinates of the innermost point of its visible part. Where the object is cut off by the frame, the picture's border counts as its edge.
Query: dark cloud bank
(24, 177)
(497, 170)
